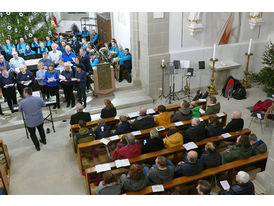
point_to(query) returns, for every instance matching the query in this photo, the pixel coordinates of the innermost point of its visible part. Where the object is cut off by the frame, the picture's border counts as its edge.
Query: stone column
(269, 170)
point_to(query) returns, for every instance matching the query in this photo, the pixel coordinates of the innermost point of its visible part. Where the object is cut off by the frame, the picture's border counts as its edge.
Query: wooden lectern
(104, 82)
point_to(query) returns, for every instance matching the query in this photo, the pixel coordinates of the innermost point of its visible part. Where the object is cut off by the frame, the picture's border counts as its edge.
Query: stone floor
(54, 169)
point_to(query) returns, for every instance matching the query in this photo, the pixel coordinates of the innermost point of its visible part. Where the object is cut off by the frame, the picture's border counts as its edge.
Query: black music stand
(171, 72)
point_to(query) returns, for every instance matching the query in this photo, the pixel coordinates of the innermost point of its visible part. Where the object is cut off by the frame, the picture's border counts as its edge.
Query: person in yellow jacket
(163, 119)
(174, 138)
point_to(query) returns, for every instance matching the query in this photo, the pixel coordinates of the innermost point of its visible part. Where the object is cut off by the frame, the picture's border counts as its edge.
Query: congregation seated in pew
(80, 115)
(214, 128)
(210, 157)
(103, 130)
(243, 186)
(183, 114)
(203, 187)
(196, 132)
(258, 146)
(195, 110)
(236, 123)
(242, 150)
(173, 138)
(153, 144)
(132, 148)
(144, 121)
(213, 107)
(163, 119)
(84, 134)
(123, 126)
(108, 186)
(109, 110)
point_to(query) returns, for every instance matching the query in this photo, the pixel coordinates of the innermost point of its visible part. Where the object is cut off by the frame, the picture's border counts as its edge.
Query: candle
(249, 47)
(163, 62)
(214, 51)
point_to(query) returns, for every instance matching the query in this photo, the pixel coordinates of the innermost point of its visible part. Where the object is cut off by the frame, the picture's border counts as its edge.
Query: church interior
(180, 60)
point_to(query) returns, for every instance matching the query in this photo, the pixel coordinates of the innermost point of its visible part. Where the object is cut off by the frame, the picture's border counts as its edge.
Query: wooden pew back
(4, 180)
(4, 150)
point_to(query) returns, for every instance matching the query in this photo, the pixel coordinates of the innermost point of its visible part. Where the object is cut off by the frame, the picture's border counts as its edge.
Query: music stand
(171, 72)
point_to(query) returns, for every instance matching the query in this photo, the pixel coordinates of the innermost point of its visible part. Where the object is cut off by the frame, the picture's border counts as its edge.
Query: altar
(104, 82)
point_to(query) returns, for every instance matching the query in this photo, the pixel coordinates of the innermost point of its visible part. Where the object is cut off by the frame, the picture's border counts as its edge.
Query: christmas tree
(14, 25)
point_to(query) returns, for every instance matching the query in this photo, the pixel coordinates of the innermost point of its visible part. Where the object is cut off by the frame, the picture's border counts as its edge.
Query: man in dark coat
(243, 186)
(194, 133)
(153, 144)
(80, 115)
(124, 126)
(144, 121)
(190, 167)
(258, 146)
(236, 123)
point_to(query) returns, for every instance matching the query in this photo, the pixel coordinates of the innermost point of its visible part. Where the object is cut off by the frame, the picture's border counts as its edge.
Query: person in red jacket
(131, 149)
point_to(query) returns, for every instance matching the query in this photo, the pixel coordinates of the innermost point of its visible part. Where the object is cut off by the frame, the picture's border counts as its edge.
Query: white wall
(120, 25)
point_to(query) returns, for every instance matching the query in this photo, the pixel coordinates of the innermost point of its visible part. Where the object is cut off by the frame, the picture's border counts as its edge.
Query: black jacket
(108, 113)
(212, 131)
(143, 122)
(85, 60)
(258, 147)
(123, 128)
(183, 114)
(234, 125)
(74, 119)
(102, 131)
(194, 134)
(211, 159)
(239, 189)
(188, 169)
(153, 145)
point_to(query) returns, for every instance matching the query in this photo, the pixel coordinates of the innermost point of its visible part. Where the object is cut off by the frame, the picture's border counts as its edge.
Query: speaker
(190, 72)
(201, 64)
(177, 64)
(170, 68)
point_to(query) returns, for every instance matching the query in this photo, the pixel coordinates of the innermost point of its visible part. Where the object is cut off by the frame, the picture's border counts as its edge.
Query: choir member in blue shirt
(46, 61)
(7, 83)
(60, 68)
(62, 47)
(68, 55)
(94, 37)
(81, 77)
(93, 60)
(24, 79)
(35, 44)
(48, 43)
(21, 46)
(4, 63)
(28, 51)
(8, 47)
(121, 52)
(59, 40)
(78, 34)
(125, 61)
(85, 33)
(84, 43)
(40, 76)
(68, 85)
(42, 48)
(15, 62)
(52, 80)
(75, 45)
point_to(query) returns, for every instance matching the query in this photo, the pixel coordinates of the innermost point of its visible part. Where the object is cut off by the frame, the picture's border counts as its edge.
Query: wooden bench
(4, 168)
(229, 167)
(164, 152)
(112, 120)
(4, 151)
(4, 180)
(144, 134)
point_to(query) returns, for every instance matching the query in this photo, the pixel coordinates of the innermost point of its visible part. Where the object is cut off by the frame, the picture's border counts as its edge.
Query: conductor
(32, 108)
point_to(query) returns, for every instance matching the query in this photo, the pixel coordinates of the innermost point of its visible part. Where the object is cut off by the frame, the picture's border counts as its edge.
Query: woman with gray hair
(130, 150)
(68, 85)
(155, 143)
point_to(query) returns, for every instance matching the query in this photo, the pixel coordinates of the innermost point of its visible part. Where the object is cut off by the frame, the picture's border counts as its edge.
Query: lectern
(104, 82)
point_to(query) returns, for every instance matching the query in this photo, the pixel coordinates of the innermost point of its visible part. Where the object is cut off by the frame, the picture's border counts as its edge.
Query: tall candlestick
(249, 47)
(214, 51)
(163, 62)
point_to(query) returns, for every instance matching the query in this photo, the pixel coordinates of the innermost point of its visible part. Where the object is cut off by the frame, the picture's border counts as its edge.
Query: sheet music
(184, 64)
(201, 111)
(225, 184)
(190, 146)
(259, 115)
(122, 163)
(9, 85)
(136, 133)
(133, 114)
(73, 79)
(220, 114)
(51, 79)
(162, 128)
(105, 141)
(114, 137)
(201, 119)
(117, 117)
(26, 83)
(102, 167)
(62, 77)
(150, 111)
(202, 100)
(36, 94)
(158, 188)
(226, 135)
(178, 123)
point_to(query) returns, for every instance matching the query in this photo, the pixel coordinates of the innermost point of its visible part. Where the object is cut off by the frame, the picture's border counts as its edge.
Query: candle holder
(163, 82)
(211, 89)
(245, 80)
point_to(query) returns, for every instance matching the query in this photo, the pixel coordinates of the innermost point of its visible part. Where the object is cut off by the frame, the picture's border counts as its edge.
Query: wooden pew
(112, 120)
(229, 167)
(164, 152)
(4, 150)
(144, 134)
(4, 180)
